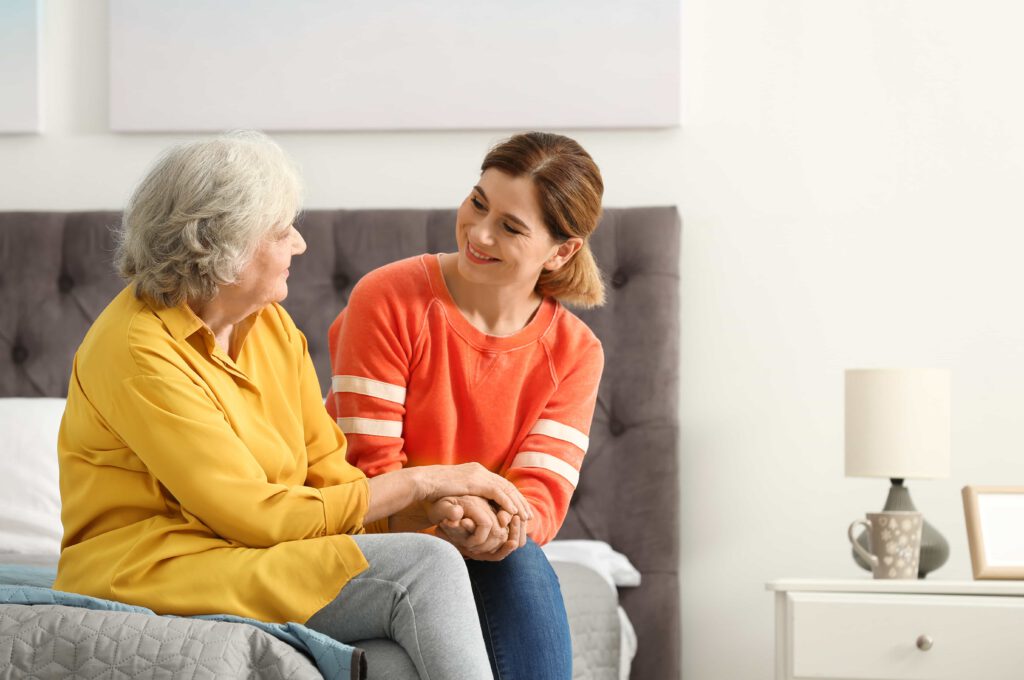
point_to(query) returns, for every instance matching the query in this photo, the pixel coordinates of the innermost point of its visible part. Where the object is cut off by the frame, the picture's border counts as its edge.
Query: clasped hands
(477, 527)
(481, 513)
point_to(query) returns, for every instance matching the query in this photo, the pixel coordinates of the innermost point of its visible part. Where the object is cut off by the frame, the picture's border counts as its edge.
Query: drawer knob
(924, 642)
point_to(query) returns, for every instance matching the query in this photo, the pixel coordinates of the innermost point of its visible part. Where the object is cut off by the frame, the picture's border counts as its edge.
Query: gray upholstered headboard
(55, 277)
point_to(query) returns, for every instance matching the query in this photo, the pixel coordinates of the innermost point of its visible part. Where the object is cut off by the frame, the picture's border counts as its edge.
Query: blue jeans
(522, 616)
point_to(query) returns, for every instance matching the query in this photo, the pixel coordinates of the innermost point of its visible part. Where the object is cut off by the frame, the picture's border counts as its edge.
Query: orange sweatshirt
(416, 384)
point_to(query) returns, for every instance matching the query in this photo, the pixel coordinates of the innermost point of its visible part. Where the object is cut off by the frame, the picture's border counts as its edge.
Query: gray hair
(198, 217)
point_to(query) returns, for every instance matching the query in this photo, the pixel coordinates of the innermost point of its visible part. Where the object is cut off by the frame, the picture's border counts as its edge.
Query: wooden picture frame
(995, 530)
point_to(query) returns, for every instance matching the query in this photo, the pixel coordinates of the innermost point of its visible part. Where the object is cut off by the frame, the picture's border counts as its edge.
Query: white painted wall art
(393, 64)
(20, 28)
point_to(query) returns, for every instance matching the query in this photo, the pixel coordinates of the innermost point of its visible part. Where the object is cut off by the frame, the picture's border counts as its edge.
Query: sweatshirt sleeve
(546, 468)
(371, 347)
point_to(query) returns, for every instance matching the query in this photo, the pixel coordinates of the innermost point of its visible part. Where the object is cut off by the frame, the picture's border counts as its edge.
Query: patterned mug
(895, 542)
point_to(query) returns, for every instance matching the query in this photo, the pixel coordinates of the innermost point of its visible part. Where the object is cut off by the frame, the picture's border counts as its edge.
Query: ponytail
(577, 283)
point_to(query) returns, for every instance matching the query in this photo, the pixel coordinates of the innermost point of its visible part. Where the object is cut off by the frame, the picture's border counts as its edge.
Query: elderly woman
(200, 472)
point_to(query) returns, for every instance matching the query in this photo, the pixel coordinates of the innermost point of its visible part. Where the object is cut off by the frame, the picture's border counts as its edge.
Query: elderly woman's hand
(472, 479)
(393, 492)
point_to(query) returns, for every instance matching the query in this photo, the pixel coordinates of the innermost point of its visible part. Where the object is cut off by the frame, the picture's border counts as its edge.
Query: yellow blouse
(197, 484)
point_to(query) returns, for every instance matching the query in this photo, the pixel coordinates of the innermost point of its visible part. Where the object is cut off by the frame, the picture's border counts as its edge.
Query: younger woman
(470, 356)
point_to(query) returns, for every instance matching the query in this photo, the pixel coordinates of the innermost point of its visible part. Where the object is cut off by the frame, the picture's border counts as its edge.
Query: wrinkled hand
(424, 514)
(445, 511)
(483, 533)
(473, 479)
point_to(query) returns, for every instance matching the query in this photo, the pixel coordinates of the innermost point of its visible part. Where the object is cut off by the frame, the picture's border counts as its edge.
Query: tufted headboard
(56, 277)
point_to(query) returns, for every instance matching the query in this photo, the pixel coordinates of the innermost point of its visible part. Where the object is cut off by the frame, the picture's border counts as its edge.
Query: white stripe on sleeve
(533, 459)
(555, 429)
(369, 387)
(380, 428)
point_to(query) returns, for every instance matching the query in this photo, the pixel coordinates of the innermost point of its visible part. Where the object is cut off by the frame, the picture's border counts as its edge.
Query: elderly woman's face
(265, 279)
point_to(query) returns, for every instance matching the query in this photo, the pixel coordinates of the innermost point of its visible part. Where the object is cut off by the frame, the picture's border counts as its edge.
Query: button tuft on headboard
(341, 281)
(19, 354)
(65, 283)
(619, 279)
(616, 427)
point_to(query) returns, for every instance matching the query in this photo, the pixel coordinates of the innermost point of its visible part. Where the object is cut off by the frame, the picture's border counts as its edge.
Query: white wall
(848, 177)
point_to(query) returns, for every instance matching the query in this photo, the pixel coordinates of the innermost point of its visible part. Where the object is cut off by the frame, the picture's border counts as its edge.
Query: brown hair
(569, 189)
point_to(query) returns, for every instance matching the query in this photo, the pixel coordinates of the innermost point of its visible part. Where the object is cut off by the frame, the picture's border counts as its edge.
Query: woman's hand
(444, 512)
(481, 529)
(482, 533)
(516, 538)
(393, 492)
(472, 479)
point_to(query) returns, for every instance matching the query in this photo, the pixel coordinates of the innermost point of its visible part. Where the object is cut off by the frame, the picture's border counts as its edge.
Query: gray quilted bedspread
(55, 641)
(592, 607)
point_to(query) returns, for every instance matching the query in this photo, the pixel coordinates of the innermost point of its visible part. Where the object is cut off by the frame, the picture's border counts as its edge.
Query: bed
(55, 277)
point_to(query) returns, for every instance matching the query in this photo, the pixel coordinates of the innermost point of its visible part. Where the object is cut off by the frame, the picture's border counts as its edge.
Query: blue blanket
(26, 585)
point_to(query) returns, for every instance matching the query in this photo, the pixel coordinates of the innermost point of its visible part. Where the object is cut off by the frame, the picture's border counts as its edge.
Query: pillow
(29, 486)
(613, 566)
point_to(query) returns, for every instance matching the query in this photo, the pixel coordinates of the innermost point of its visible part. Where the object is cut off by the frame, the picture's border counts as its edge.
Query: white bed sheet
(617, 571)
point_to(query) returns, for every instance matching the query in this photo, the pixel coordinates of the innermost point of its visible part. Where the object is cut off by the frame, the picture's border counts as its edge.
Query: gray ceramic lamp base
(934, 548)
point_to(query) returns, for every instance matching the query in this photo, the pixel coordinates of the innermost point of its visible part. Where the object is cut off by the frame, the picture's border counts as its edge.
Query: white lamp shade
(898, 423)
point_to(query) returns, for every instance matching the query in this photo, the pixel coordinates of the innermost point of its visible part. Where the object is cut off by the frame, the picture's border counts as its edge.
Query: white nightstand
(894, 630)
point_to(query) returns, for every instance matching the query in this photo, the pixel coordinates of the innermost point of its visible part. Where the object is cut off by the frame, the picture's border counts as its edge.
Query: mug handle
(868, 557)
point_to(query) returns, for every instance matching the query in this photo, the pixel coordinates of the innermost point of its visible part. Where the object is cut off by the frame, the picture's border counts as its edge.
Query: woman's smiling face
(501, 233)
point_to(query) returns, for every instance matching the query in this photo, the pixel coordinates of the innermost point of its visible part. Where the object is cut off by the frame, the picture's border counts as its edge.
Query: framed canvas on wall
(393, 64)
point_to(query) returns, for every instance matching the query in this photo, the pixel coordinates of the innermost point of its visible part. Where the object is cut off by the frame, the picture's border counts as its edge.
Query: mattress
(51, 641)
(46, 633)
(56, 641)
(600, 631)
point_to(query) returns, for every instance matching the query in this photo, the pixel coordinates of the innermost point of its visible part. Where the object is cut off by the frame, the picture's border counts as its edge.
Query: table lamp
(898, 426)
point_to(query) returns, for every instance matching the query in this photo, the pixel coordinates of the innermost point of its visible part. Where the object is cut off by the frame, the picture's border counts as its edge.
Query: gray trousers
(416, 593)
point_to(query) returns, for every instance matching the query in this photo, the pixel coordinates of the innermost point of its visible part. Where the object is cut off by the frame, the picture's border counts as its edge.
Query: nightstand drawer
(874, 636)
